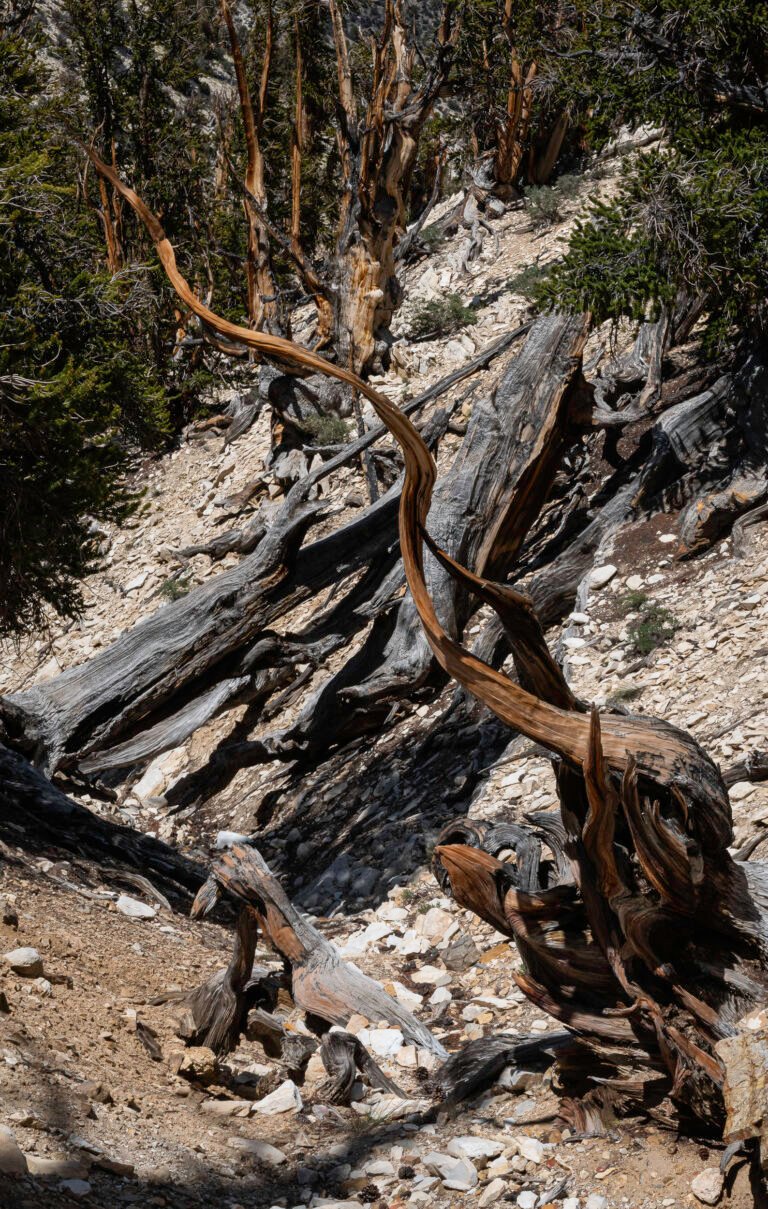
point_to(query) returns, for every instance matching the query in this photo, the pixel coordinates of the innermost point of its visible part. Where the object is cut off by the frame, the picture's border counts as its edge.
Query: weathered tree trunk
(328, 989)
(32, 808)
(378, 155)
(513, 129)
(264, 309)
(646, 938)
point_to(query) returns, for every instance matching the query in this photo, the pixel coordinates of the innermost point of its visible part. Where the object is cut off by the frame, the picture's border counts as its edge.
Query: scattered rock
(741, 790)
(456, 1174)
(227, 1108)
(225, 839)
(595, 1201)
(477, 1150)
(434, 924)
(382, 1041)
(600, 576)
(492, 1192)
(707, 1187)
(26, 962)
(379, 1167)
(431, 976)
(76, 1188)
(65, 1168)
(461, 953)
(285, 1098)
(199, 1064)
(407, 1056)
(402, 994)
(531, 1149)
(135, 909)
(527, 1200)
(256, 1149)
(440, 995)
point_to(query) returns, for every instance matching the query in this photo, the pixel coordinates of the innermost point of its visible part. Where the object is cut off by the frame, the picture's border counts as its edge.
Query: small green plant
(623, 694)
(441, 317)
(633, 601)
(432, 237)
(568, 186)
(529, 280)
(408, 896)
(327, 430)
(655, 626)
(543, 204)
(174, 588)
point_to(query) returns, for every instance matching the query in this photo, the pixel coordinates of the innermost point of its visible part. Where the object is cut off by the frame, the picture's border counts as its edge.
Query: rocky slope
(89, 1113)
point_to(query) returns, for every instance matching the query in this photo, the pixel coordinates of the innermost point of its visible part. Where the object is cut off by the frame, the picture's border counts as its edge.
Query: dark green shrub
(633, 601)
(175, 587)
(327, 430)
(655, 626)
(690, 217)
(543, 206)
(529, 281)
(441, 317)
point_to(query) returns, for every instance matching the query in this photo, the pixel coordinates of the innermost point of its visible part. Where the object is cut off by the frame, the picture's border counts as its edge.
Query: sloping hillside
(108, 1114)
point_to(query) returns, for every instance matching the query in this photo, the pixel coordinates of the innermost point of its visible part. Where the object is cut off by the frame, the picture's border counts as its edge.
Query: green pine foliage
(75, 392)
(691, 217)
(441, 317)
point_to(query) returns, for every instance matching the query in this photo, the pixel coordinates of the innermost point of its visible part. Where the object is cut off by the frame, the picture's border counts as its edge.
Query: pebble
(67, 1169)
(595, 1201)
(26, 961)
(440, 995)
(257, 1149)
(383, 1041)
(600, 576)
(456, 1174)
(379, 1167)
(434, 924)
(135, 909)
(494, 1190)
(740, 791)
(432, 976)
(404, 995)
(76, 1188)
(286, 1098)
(531, 1149)
(226, 839)
(707, 1186)
(477, 1150)
(227, 1108)
(527, 1200)
(198, 1063)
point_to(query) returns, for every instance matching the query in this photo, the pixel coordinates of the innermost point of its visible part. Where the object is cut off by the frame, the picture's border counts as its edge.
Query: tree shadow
(250, 1186)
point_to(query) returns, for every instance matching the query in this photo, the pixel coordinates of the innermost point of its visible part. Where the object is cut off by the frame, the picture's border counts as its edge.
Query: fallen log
(33, 811)
(326, 988)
